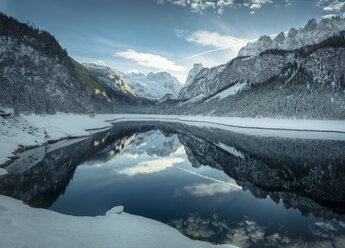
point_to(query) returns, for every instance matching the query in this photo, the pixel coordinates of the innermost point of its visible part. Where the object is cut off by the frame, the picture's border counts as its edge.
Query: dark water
(210, 184)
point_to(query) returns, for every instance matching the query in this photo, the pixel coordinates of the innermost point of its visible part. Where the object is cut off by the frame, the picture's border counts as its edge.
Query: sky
(164, 35)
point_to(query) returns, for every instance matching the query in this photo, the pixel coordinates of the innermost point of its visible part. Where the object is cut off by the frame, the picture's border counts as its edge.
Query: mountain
(256, 165)
(37, 75)
(153, 85)
(110, 77)
(166, 97)
(192, 73)
(312, 33)
(307, 82)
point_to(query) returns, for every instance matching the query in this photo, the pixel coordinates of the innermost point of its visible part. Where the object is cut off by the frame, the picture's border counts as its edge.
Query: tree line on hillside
(278, 97)
(28, 34)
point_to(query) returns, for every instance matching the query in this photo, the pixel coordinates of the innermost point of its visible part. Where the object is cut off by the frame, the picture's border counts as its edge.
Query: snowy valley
(249, 153)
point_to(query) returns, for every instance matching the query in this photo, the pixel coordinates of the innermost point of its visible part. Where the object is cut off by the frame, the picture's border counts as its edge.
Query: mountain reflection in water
(210, 184)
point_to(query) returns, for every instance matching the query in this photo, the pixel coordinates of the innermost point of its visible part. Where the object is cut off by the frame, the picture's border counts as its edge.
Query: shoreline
(82, 126)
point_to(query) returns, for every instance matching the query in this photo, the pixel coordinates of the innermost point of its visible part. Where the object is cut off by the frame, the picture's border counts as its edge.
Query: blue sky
(164, 35)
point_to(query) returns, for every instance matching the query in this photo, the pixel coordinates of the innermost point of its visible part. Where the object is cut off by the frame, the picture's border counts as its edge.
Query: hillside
(37, 75)
(307, 82)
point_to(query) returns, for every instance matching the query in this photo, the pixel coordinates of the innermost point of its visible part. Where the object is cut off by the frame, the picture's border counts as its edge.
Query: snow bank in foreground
(23, 226)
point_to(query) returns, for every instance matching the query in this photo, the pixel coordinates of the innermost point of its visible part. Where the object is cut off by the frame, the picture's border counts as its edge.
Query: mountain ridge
(153, 86)
(312, 33)
(37, 75)
(306, 82)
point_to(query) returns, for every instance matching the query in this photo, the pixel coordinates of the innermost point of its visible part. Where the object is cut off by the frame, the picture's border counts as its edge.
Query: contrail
(222, 48)
(210, 178)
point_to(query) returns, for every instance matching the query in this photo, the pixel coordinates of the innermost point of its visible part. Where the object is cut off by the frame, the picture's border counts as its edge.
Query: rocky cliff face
(312, 33)
(110, 77)
(300, 79)
(192, 73)
(153, 86)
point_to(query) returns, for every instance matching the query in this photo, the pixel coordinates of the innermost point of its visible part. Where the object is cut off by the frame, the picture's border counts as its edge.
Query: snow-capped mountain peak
(312, 33)
(154, 85)
(193, 72)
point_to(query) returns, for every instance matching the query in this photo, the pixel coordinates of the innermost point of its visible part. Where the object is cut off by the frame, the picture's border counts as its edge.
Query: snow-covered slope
(311, 33)
(111, 77)
(153, 85)
(305, 83)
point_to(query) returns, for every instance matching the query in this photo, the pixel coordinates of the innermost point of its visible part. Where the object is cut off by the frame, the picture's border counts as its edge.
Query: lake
(210, 184)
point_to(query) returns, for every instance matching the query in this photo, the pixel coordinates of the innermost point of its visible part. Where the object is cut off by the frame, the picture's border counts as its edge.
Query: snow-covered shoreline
(29, 130)
(257, 123)
(29, 227)
(265, 127)
(23, 226)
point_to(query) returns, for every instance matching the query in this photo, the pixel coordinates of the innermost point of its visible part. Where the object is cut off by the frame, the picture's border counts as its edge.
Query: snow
(153, 85)
(3, 172)
(311, 33)
(231, 150)
(23, 226)
(193, 100)
(115, 210)
(29, 227)
(28, 130)
(229, 91)
(267, 127)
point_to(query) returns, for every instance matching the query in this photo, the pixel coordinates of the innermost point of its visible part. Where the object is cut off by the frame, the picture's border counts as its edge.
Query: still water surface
(210, 184)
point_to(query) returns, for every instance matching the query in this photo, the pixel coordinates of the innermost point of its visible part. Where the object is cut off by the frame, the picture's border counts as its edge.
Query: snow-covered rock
(192, 73)
(3, 172)
(311, 33)
(115, 210)
(153, 85)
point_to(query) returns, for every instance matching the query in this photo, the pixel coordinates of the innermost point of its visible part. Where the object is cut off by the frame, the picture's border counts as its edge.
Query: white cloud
(252, 12)
(334, 6)
(150, 60)
(221, 4)
(217, 40)
(287, 3)
(201, 190)
(199, 6)
(133, 71)
(99, 62)
(152, 166)
(329, 16)
(257, 4)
